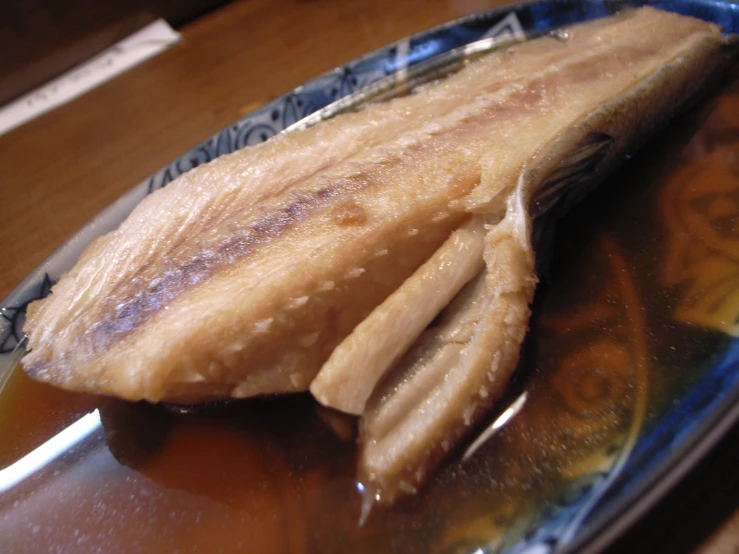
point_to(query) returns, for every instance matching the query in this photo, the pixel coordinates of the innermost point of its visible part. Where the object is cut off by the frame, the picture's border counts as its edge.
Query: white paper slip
(143, 44)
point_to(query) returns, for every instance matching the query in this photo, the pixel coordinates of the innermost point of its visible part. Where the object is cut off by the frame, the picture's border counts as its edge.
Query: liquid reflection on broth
(643, 286)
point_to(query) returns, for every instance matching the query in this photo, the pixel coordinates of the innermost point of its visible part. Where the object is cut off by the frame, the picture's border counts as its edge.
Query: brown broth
(643, 288)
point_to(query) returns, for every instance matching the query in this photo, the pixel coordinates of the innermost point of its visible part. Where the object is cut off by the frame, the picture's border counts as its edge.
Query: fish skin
(216, 285)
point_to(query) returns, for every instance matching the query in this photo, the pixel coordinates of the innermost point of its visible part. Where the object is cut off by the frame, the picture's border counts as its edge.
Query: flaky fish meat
(318, 258)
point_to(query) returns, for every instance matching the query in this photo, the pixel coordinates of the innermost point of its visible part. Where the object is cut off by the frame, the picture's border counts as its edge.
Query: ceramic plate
(639, 377)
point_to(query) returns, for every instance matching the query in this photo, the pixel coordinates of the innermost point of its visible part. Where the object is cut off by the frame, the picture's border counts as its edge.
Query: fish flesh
(457, 370)
(318, 258)
(349, 376)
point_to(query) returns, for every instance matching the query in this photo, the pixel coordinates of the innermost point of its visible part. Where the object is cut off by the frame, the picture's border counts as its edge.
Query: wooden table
(64, 167)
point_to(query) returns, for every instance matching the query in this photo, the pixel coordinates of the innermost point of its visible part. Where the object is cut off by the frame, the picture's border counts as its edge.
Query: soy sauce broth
(642, 294)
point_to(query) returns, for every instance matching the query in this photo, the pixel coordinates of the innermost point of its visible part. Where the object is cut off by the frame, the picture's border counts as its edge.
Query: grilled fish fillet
(242, 276)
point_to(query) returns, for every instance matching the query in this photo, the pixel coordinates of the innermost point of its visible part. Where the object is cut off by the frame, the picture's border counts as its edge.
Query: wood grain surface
(48, 37)
(61, 169)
